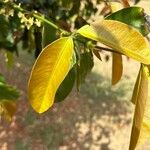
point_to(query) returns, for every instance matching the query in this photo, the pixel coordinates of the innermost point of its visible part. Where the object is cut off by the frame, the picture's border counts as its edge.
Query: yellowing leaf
(145, 128)
(136, 88)
(117, 68)
(120, 37)
(141, 123)
(49, 70)
(7, 109)
(136, 15)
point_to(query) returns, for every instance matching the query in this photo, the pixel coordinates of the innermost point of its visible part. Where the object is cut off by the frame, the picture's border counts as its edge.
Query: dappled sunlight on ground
(96, 118)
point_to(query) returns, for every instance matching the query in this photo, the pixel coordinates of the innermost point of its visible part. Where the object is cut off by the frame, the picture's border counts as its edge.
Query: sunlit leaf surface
(49, 70)
(141, 123)
(119, 36)
(135, 18)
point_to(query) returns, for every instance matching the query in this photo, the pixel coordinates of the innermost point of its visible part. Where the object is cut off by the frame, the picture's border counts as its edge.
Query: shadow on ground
(96, 119)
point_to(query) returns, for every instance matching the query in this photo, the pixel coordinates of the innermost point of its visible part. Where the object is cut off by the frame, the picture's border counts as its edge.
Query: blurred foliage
(18, 27)
(64, 13)
(136, 20)
(136, 1)
(8, 97)
(6, 91)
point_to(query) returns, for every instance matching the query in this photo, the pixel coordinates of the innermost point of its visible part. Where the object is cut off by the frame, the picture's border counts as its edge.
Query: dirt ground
(97, 118)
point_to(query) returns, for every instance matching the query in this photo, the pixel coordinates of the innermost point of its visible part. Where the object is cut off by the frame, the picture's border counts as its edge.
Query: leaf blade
(119, 36)
(85, 66)
(136, 88)
(117, 68)
(52, 66)
(136, 15)
(141, 109)
(145, 127)
(8, 93)
(97, 54)
(66, 86)
(8, 109)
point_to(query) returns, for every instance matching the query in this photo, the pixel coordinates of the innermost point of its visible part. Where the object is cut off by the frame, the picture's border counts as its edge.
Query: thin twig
(36, 15)
(99, 48)
(42, 18)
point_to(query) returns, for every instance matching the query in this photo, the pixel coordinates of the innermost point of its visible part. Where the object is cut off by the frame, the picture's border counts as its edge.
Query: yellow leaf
(136, 88)
(117, 68)
(8, 109)
(125, 3)
(49, 70)
(120, 37)
(141, 123)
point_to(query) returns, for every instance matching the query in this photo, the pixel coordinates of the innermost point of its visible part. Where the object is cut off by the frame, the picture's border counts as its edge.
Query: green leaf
(120, 37)
(2, 79)
(133, 16)
(9, 58)
(38, 42)
(84, 67)
(66, 86)
(8, 93)
(48, 72)
(31, 40)
(6, 34)
(48, 34)
(117, 68)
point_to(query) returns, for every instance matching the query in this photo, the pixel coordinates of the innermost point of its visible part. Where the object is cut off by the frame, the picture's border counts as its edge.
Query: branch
(99, 48)
(34, 14)
(42, 18)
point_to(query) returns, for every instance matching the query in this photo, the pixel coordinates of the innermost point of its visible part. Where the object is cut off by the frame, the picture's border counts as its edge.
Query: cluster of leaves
(69, 59)
(18, 24)
(53, 70)
(64, 13)
(8, 97)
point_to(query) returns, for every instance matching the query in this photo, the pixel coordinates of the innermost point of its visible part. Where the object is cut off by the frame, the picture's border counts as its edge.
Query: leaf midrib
(107, 43)
(53, 71)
